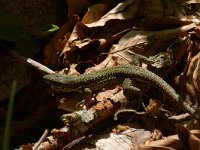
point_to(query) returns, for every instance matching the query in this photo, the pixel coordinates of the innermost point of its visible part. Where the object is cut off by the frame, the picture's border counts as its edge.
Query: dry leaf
(196, 72)
(141, 42)
(194, 142)
(134, 9)
(120, 128)
(183, 134)
(123, 11)
(86, 44)
(170, 141)
(80, 31)
(189, 140)
(192, 1)
(125, 140)
(153, 109)
(94, 13)
(154, 148)
(50, 57)
(56, 45)
(107, 94)
(75, 8)
(174, 142)
(161, 23)
(192, 80)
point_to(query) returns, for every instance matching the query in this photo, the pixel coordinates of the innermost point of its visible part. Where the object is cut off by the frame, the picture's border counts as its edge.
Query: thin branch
(40, 67)
(42, 138)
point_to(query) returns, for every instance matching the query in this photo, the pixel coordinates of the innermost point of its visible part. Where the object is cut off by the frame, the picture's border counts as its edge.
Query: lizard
(108, 77)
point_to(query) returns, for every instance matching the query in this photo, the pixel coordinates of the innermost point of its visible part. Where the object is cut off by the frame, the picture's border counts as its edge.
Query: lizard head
(60, 82)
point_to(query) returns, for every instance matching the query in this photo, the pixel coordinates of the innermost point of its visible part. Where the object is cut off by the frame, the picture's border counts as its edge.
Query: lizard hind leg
(129, 87)
(131, 92)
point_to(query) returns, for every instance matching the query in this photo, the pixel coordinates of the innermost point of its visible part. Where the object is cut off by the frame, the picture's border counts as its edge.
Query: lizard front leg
(89, 97)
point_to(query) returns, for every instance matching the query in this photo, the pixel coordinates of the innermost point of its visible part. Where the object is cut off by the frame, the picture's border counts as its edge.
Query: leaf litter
(162, 36)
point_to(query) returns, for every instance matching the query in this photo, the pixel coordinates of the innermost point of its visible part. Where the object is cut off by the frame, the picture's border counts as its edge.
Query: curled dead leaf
(189, 140)
(122, 11)
(94, 13)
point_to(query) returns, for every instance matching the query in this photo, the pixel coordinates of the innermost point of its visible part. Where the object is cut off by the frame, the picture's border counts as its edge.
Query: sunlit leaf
(48, 29)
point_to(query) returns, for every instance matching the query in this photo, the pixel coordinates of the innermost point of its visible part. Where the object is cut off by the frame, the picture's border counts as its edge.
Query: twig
(43, 137)
(43, 69)
(127, 110)
(181, 117)
(71, 144)
(40, 67)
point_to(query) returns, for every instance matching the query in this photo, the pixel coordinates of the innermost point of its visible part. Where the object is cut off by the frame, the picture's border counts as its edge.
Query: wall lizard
(108, 77)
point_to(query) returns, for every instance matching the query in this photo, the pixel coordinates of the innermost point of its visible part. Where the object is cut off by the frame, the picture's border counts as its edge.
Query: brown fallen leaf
(193, 73)
(153, 108)
(120, 128)
(174, 142)
(143, 42)
(56, 45)
(189, 82)
(76, 8)
(155, 148)
(125, 140)
(161, 23)
(94, 13)
(189, 140)
(139, 41)
(123, 11)
(86, 44)
(170, 141)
